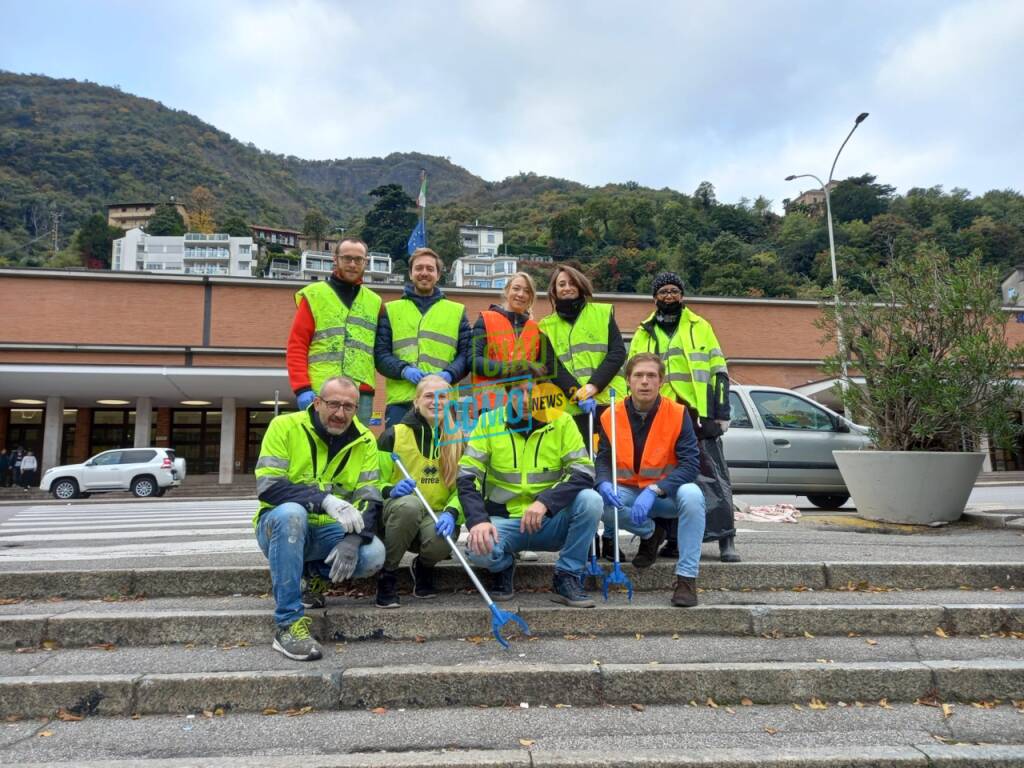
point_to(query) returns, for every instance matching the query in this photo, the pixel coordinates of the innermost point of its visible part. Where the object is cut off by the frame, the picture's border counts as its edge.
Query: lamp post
(832, 245)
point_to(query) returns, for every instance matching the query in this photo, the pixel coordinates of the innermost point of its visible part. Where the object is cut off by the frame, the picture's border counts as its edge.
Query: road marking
(106, 536)
(121, 551)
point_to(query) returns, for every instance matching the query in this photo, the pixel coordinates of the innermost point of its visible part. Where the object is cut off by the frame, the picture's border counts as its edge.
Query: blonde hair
(529, 284)
(449, 453)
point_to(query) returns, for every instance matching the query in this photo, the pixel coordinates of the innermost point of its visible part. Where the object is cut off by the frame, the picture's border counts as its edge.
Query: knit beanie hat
(667, 278)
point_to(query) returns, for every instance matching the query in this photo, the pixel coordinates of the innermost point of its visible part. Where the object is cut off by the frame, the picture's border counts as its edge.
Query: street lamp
(832, 244)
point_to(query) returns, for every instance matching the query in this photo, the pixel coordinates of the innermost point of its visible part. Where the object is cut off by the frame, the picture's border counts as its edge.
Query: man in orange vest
(657, 461)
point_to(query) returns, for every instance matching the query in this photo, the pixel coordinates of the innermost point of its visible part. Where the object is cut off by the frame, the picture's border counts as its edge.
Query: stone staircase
(783, 664)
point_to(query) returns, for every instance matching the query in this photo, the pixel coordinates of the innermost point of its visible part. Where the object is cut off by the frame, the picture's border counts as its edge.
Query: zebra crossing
(134, 529)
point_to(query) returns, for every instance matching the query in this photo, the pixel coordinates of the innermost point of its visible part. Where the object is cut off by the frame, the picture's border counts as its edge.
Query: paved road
(1009, 495)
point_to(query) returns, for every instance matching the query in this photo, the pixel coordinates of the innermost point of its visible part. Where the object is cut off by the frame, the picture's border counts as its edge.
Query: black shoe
(566, 590)
(648, 551)
(670, 550)
(685, 593)
(726, 551)
(503, 585)
(422, 579)
(387, 589)
(607, 551)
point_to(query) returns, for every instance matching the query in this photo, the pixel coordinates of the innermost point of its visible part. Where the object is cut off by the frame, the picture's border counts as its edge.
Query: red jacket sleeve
(297, 352)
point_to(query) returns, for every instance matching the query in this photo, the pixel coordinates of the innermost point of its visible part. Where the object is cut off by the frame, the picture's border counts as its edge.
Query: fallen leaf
(928, 701)
(44, 734)
(379, 710)
(692, 703)
(136, 716)
(940, 632)
(730, 710)
(208, 714)
(219, 712)
(771, 731)
(67, 717)
(420, 639)
(298, 712)
(852, 634)
(10, 600)
(746, 702)
(711, 703)
(12, 718)
(527, 742)
(884, 704)
(859, 704)
(190, 646)
(49, 645)
(947, 710)
(476, 639)
(639, 636)
(842, 704)
(638, 707)
(798, 708)
(103, 647)
(563, 706)
(808, 635)
(26, 649)
(869, 641)
(270, 711)
(675, 636)
(818, 704)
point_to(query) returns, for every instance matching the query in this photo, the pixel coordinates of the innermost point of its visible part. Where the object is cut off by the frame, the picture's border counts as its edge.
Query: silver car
(782, 442)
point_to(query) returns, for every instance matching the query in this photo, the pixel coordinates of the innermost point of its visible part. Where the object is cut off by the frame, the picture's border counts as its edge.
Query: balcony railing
(206, 236)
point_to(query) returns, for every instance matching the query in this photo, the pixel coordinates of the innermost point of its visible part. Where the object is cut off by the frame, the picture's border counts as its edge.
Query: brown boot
(647, 554)
(685, 594)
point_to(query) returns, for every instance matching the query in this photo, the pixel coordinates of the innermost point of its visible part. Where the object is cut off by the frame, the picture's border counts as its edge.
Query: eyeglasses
(666, 292)
(351, 259)
(334, 405)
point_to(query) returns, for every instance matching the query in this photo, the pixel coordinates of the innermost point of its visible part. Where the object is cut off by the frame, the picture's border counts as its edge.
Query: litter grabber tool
(616, 576)
(499, 618)
(593, 568)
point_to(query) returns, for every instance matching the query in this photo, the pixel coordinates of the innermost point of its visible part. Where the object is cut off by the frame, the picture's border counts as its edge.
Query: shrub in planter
(932, 349)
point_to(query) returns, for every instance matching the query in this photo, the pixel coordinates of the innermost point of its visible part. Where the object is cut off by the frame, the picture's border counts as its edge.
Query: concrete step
(233, 620)
(511, 683)
(228, 580)
(900, 736)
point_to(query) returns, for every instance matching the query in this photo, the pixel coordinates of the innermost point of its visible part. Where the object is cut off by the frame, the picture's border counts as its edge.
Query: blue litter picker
(616, 576)
(499, 618)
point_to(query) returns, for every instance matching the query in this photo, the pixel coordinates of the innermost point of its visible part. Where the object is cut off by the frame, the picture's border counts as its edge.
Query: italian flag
(421, 201)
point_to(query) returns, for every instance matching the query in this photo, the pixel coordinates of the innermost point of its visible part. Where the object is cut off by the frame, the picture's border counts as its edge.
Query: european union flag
(418, 238)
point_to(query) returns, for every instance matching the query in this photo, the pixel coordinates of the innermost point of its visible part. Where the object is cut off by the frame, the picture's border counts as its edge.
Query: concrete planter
(913, 487)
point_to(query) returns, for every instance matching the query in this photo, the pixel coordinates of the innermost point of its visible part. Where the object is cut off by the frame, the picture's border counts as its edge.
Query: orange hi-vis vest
(659, 456)
(502, 344)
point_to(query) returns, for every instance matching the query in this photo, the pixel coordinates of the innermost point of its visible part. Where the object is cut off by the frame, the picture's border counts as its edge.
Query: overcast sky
(663, 93)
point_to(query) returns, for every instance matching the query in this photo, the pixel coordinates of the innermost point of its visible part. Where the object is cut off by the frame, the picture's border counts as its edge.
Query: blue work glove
(607, 491)
(589, 405)
(305, 399)
(446, 376)
(412, 374)
(402, 488)
(641, 508)
(445, 524)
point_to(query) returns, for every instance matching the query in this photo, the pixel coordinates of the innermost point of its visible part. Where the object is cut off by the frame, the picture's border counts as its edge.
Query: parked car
(782, 442)
(143, 471)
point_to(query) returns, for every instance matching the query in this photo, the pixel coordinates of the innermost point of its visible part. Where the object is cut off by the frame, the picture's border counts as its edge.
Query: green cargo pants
(408, 527)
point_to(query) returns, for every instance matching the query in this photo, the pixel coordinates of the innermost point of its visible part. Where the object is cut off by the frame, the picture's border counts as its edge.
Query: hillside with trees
(71, 148)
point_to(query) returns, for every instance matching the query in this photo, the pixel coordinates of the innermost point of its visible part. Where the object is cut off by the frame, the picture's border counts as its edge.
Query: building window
(195, 436)
(490, 237)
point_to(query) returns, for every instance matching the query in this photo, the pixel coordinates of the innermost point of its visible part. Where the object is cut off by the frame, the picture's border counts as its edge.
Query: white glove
(724, 424)
(351, 519)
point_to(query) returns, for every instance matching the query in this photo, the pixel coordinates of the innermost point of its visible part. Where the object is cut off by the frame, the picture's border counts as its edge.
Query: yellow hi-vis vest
(428, 341)
(293, 450)
(511, 468)
(342, 343)
(582, 346)
(692, 356)
(425, 470)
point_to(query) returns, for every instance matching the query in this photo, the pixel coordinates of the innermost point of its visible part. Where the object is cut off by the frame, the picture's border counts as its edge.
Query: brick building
(96, 360)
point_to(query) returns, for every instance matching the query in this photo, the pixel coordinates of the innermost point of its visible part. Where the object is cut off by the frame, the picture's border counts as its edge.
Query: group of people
(543, 463)
(18, 467)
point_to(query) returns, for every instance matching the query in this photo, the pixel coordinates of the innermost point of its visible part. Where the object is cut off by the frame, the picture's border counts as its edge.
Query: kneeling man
(657, 459)
(317, 479)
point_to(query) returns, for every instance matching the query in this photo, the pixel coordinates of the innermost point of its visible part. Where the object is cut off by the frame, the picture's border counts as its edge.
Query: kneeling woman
(431, 455)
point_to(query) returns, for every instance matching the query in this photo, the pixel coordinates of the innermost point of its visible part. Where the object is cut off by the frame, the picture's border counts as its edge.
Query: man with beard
(316, 478)
(697, 377)
(420, 333)
(334, 330)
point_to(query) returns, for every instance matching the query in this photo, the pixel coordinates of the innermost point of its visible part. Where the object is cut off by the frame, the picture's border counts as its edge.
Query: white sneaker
(526, 556)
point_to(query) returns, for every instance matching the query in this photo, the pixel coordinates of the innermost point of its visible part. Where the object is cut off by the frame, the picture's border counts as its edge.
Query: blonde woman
(430, 449)
(506, 343)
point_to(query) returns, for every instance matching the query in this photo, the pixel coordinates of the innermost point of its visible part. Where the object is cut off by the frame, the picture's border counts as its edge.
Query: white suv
(143, 471)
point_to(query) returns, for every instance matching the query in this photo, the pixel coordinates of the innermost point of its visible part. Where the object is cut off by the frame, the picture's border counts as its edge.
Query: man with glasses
(697, 377)
(334, 330)
(317, 482)
(420, 333)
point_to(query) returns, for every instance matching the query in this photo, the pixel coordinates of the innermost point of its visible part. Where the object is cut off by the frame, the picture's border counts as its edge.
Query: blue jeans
(289, 542)
(568, 532)
(688, 507)
(395, 412)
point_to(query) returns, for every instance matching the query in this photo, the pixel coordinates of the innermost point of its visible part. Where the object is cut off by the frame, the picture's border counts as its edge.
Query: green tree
(859, 197)
(391, 221)
(234, 225)
(94, 241)
(165, 221)
(315, 227)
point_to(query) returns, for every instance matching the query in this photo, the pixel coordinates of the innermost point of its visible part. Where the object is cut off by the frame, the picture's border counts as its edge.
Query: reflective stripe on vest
(583, 346)
(659, 454)
(501, 343)
(342, 343)
(428, 341)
